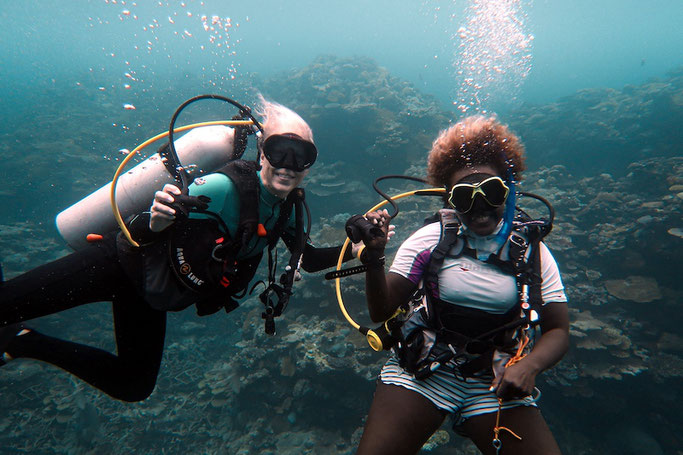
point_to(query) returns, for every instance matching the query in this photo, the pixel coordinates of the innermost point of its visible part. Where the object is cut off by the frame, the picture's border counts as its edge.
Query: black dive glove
(240, 140)
(184, 204)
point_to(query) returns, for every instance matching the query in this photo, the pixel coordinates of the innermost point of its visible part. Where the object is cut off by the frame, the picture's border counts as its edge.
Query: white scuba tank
(203, 150)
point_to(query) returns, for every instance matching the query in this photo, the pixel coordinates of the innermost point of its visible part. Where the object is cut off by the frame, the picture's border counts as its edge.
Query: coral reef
(636, 288)
(603, 130)
(226, 387)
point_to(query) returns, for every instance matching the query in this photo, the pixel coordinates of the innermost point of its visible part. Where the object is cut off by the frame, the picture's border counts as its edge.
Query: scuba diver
(462, 301)
(198, 245)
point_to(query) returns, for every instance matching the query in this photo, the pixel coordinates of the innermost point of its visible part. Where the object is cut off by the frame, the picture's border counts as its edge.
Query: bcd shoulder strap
(243, 175)
(283, 290)
(525, 257)
(450, 225)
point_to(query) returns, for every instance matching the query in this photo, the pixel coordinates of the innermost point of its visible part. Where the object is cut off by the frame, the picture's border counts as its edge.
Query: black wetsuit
(96, 274)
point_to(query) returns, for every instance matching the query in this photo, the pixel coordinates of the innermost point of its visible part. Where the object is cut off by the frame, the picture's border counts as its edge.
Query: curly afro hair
(475, 141)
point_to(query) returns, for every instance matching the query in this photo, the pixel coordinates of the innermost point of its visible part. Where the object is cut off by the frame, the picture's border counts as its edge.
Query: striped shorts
(461, 398)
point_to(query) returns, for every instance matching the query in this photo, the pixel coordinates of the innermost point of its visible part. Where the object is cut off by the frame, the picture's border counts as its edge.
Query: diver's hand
(372, 229)
(162, 214)
(517, 381)
(165, 211)
(378, 218)
(381, 219)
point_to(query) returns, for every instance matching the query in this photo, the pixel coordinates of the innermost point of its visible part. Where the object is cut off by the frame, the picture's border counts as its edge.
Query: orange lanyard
(497, 443)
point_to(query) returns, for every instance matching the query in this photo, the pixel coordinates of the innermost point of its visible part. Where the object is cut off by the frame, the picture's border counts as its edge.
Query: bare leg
(525, 421)
(399, 422)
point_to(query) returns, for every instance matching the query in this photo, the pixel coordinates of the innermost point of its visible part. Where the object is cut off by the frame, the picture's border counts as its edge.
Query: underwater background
(594, 89)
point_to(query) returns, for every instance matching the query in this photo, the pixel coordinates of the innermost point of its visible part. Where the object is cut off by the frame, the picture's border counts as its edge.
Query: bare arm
(384, 293)
(519, 379)
(554, 342)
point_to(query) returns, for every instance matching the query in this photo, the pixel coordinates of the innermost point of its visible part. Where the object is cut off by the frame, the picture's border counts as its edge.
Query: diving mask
(289, 151)
(493, 190)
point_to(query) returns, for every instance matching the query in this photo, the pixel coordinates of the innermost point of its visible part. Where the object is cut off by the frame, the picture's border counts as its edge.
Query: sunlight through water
(493, 56)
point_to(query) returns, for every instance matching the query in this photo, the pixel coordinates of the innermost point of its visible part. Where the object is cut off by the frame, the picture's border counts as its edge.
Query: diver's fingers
(161, 204)
(160, 221)
(373, 217)
(501, 388)
(385, 217)
(166, 195)
(171, 189)
(162, 197)
(161, 216)
(163, 210)
(391, 232)
(379, 217)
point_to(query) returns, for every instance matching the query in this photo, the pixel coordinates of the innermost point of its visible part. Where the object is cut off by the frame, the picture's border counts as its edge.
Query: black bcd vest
(195, 262)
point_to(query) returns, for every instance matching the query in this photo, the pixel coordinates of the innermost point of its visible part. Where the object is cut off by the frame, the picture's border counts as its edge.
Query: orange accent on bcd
(91, 238)
(261, 230)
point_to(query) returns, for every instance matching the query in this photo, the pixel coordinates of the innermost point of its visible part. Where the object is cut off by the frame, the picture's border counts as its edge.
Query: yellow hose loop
(337, 281)
(119, 170)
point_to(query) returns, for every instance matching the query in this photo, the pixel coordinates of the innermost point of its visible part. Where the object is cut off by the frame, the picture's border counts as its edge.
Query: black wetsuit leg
(91, 275)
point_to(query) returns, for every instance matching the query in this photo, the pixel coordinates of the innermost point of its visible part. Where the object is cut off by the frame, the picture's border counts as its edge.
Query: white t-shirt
(470, 282)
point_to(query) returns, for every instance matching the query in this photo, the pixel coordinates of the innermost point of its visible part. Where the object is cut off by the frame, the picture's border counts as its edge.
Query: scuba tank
(206, 148)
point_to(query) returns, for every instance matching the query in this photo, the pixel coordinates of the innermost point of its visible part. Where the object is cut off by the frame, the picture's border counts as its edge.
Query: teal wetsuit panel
(226, 203)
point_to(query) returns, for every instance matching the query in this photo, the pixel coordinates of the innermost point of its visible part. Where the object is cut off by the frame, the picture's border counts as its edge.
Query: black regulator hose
(386, 196)
(549, 206)
(181, 174)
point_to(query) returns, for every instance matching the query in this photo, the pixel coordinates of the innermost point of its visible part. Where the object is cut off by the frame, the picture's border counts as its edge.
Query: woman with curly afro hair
(446, 363)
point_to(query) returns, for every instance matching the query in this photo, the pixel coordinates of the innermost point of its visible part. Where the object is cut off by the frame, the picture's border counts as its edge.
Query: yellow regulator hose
(133, 153)
(373, 340)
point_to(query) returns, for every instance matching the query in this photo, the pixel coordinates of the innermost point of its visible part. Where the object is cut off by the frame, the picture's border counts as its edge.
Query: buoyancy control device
(387, 335)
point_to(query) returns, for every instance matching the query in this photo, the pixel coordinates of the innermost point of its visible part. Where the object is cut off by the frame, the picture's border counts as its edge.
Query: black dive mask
(289, 151)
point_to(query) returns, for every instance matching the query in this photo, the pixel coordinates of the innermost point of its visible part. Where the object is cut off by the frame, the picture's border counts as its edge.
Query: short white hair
(278, 119)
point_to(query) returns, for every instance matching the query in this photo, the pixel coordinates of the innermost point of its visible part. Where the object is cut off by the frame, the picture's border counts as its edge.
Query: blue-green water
(595, 91)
